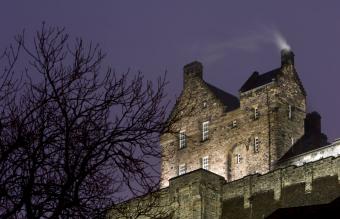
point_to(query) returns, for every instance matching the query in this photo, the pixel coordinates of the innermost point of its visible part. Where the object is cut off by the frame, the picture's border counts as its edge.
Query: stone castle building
(246, 157)
(237, 137)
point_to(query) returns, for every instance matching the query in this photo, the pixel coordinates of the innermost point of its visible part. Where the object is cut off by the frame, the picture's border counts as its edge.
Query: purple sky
(230, 39)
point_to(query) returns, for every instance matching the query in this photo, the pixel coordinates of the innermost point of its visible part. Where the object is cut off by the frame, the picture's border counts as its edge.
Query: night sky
(231, 38)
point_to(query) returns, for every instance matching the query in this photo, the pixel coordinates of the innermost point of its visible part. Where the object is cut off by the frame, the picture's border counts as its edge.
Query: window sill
(205, 140)
(182, 148)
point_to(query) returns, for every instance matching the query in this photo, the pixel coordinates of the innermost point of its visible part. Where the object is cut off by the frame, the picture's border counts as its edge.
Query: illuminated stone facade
(246, 135)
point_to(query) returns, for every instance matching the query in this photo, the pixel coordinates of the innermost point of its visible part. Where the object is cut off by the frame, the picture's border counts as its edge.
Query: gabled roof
(257, 80)
(229, 101)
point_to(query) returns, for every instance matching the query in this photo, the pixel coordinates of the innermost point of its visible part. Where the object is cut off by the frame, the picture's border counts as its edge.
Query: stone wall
(311, 184)
(202, 194)
(285, 129)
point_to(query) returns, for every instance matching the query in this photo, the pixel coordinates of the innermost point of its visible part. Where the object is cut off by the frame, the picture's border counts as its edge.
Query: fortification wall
(203, 194)
(257, 196)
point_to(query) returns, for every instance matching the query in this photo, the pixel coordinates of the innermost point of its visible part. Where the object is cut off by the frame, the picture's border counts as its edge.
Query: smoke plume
(280, 41)
(251, 42)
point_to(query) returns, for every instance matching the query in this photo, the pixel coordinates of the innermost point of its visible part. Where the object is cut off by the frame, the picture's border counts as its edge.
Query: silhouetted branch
(74, 136)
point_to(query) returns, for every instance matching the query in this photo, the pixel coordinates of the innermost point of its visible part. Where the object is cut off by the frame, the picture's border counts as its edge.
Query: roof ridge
(257, 80)
(229, 100)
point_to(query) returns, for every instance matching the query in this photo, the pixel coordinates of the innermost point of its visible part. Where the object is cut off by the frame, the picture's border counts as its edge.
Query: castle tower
(235, 137)
(278, 101)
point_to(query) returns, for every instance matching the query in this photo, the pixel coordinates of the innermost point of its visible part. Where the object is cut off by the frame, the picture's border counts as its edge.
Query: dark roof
(257, 80)
(305, 144)
(312, 139)
(229, 101)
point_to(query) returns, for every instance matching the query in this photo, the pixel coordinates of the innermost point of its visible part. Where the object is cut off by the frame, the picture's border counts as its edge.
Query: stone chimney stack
(287, 57)
(193, 70)
(313, 124)
(313, 129)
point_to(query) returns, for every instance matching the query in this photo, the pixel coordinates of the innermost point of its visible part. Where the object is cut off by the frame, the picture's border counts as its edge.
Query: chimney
(287, 57)
(313, 124)
(193, 70)
(313, 129)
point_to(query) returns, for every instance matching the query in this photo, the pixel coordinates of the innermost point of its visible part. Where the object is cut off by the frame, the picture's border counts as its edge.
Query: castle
(242, 157)
(237, 137)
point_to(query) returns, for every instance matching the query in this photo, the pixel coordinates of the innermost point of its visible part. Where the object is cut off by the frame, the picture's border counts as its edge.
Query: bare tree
(73, 134)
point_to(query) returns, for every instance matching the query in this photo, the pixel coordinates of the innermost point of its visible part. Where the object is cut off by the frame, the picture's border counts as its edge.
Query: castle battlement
(203, 194)
(276, 181)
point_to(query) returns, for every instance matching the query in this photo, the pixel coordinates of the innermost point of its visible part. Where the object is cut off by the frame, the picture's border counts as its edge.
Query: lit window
(256, 113)
(205, 163)
(182, 169)
(238, 158)
(182, 142)
(290, 112)
(256, 144)
(205, 130)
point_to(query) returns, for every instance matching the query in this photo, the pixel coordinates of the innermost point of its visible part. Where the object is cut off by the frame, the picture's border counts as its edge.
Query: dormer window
(205, 130)
(182, 140)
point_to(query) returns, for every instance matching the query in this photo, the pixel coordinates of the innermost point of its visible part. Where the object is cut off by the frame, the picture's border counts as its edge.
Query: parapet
(280, 179)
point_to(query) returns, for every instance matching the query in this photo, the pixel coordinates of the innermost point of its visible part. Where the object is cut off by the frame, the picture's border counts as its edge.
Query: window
(290, 111)
(182, 169)
(256, 113)
(205, 163)
(234, 124)
(182, 142)
(205, 130)
(256, 144)
(238, 158)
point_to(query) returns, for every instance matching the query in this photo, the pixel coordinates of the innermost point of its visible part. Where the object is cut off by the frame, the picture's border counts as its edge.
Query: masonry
(202, 194)
(246, 157)
(243, 136)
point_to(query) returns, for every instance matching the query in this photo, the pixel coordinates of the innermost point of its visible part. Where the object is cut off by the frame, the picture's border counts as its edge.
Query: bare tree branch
(74, 135)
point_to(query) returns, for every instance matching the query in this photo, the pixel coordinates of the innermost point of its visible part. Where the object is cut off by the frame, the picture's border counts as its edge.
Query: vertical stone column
(196, 200)
(308, 170)
(336, 166)
(247, 191)
(277, 184)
